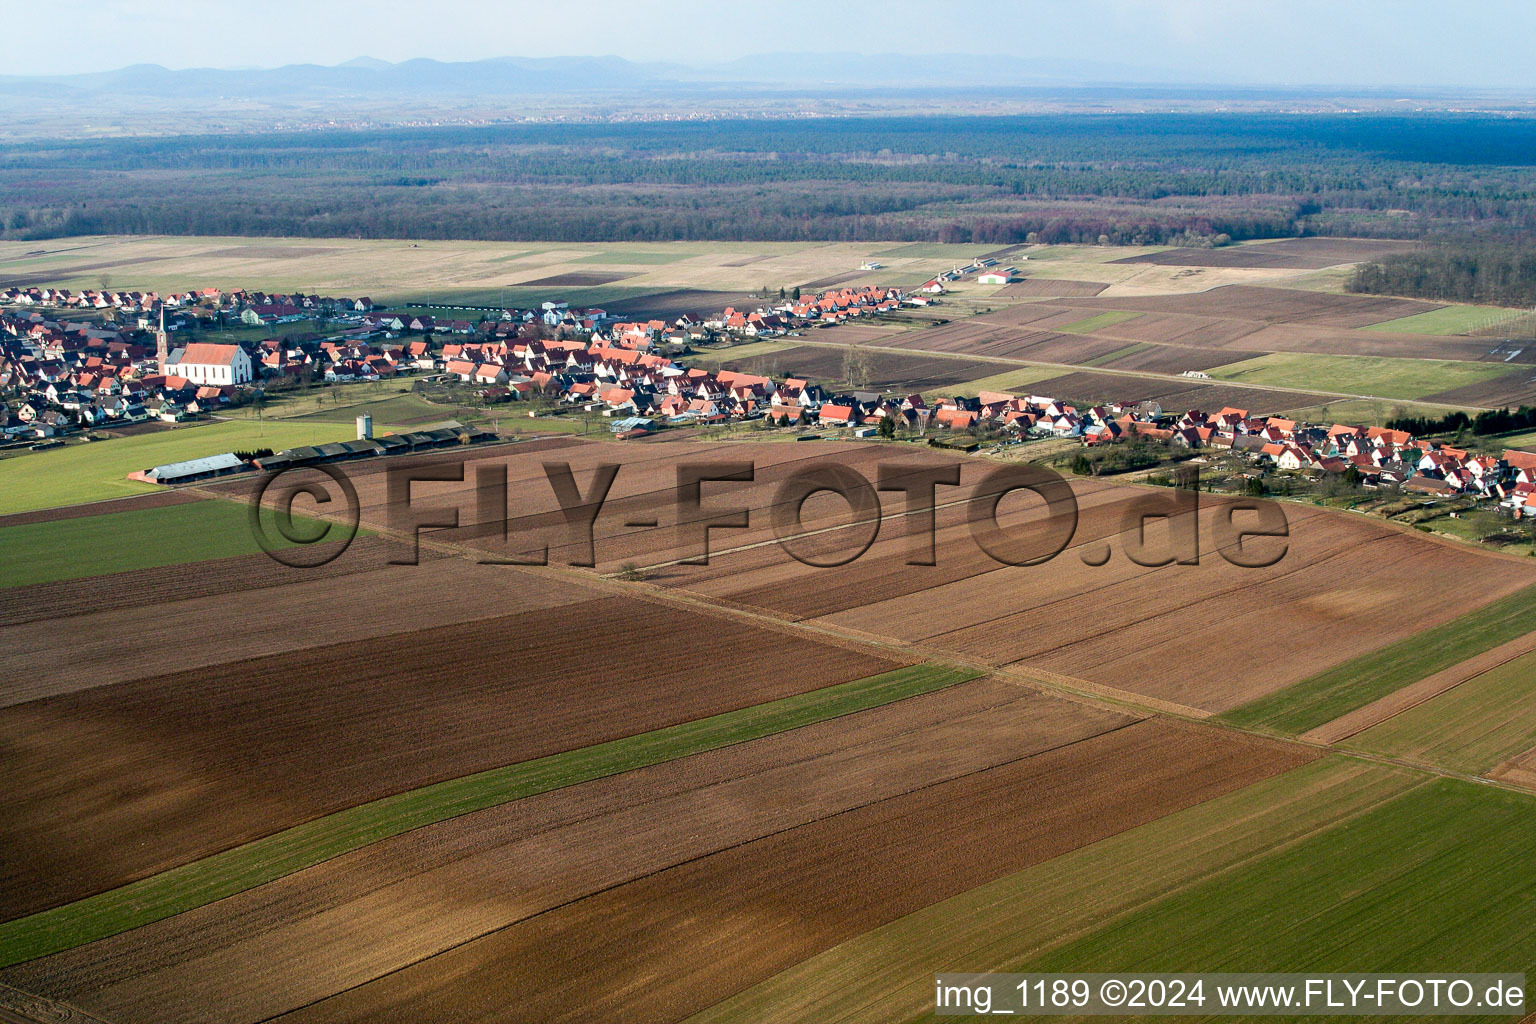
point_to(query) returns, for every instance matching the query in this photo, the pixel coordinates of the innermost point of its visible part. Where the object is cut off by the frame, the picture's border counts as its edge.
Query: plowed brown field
(1033, 286)
(162, 585)
(1272, 305)
(41, 659)
(1204, 636)
(1517, 388)
(671, 943)
(162, 770)
(382, 908)
(1173, 393)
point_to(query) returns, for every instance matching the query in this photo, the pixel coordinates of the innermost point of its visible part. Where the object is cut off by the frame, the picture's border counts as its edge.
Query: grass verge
(69, 549)
(245, 867)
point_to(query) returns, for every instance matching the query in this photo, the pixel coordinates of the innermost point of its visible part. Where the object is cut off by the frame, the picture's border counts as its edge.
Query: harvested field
(268, 252)
(493, 867)
(1032, 287)
(1173, 392)
(978, 337)
(876, 977)
(1099, 624)
(1154, 358)
(1353, 684)
(576, 279)
(150, 587)
(1519, 770)
(1343, 341)
(130, 641)
(677, 301)
(671, 943)
(1273, 305)
(1517, 388)
(227, 754)
(887, 370)
(1287, 254)
(643, 493)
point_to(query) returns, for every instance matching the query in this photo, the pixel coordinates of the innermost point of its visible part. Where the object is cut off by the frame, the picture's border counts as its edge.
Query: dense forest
(1465, 270)
(1178, 179)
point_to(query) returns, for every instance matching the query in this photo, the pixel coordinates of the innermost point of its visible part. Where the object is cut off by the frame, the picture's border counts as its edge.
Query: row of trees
(1491, 421)
(1502, 273)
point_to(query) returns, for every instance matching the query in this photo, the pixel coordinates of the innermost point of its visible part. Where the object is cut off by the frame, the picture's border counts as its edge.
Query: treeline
(1502, 274)
(1491, 421)
(1149, 179)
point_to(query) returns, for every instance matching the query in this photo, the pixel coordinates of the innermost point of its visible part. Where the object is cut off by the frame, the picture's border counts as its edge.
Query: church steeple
(162, 342)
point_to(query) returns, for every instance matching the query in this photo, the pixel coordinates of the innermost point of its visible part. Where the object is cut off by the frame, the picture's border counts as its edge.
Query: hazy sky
(1358, 42)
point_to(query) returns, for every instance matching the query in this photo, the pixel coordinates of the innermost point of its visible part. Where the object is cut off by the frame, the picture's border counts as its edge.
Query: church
(202, 362)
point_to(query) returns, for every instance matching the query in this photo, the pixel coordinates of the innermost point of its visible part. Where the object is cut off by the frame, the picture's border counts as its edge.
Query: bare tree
(857, 366)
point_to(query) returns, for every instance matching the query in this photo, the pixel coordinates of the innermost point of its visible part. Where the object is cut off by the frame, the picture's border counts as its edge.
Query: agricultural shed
(192, 469)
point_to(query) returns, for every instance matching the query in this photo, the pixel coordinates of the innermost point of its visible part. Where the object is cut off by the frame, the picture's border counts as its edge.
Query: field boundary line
(243, 867)
(1122, 699)
(1489, 625)
(705, 855)
(1140, 374)
(1331, 763)
(1423, 691)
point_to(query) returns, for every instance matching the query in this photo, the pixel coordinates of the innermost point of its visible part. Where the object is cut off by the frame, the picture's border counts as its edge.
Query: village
(60, 377)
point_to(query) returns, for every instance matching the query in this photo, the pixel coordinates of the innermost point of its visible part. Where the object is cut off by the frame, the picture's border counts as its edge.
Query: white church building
(212, 364)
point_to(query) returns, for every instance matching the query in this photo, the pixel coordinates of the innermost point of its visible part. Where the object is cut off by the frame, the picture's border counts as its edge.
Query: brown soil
(669, 944)
(1273, 305)
(42, 659)
(383, 907)
(167, 769)
(576, 279)
(158, 586)
(1033, 286)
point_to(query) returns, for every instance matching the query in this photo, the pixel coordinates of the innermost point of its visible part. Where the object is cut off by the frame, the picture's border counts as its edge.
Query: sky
(1374, 43)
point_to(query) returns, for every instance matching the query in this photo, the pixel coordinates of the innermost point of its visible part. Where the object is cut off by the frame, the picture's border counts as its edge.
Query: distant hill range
(513, 76)
(147, 99)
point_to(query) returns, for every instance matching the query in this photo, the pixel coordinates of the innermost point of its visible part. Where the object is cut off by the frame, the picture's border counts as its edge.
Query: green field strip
(1447, 320)
(68, 549)
(887, 973)
(1470, 728)
(1354, 684)
(90, 472)
(1439, 876)
(1119, 353)
(244, 867)
(1008, 380)
(1094, 323)
(1376, 376)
